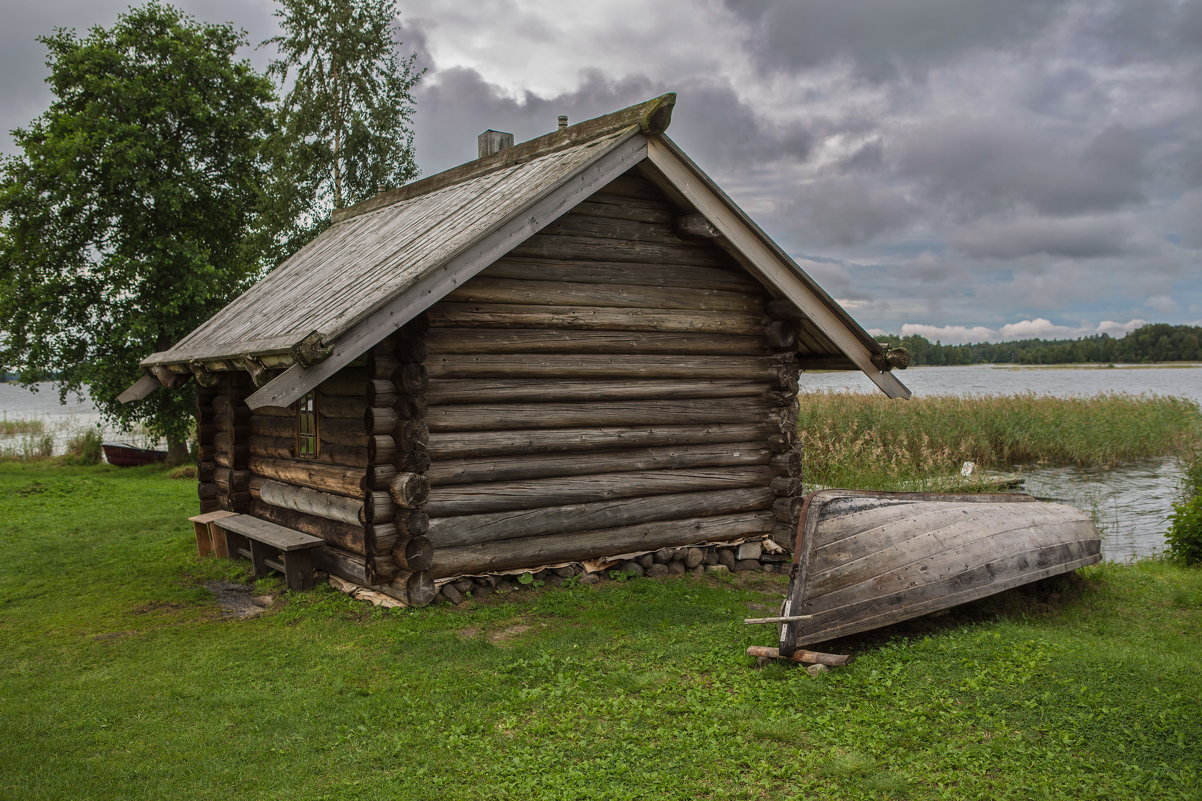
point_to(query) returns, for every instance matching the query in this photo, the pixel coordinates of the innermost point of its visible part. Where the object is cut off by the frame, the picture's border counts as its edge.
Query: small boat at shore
(125, 455)
(863, 560)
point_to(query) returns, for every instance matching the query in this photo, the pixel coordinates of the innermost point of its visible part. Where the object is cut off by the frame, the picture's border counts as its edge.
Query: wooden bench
(267, 546)
(209, 538)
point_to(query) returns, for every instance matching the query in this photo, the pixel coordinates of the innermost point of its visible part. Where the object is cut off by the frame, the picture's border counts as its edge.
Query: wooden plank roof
(384, 261)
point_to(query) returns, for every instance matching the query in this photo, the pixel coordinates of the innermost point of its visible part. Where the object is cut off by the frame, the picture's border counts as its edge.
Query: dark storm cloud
(711, 118)
(883, 40)
(1082, 238)
(995, 165)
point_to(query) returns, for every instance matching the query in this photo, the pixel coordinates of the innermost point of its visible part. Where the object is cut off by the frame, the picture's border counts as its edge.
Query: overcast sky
(963, 169)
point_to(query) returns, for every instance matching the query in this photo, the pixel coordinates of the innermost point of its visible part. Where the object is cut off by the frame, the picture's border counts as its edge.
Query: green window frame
(307, 440)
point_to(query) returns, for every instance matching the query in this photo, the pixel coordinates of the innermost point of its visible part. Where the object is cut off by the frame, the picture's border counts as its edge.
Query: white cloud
(1038, 328)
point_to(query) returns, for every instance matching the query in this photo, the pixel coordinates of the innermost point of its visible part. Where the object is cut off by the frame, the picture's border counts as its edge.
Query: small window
(306, 427)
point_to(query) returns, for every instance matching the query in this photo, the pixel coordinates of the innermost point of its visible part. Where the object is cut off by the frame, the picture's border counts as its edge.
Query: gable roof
(384, 261)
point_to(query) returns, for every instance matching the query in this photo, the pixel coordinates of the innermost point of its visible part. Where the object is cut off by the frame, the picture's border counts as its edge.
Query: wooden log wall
(610, 385)
(206, 449)
(223, 433)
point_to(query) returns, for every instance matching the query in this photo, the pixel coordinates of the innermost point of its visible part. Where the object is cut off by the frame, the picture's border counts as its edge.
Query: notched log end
(311, 350)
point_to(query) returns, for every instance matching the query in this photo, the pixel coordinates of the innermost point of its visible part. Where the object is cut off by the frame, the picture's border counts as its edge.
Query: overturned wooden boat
(863, 560)
(122, 454)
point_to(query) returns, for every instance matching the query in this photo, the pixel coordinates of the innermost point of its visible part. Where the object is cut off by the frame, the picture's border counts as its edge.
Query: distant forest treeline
(1157, 342)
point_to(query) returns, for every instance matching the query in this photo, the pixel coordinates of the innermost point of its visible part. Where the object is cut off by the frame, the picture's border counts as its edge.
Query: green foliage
(131, 213)
(1157, 342)
(347, 112)
(870, 442)
(124, 681)
(84, 448)
(1184, 537)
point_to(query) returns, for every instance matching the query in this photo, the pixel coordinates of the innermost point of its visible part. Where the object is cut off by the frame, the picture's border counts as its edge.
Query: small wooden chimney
(492, 141)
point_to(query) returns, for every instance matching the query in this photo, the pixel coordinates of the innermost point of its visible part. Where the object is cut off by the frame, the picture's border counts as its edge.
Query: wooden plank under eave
(523, 223)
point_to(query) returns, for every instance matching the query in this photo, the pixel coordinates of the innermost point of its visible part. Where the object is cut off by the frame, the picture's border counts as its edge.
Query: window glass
(306, 427)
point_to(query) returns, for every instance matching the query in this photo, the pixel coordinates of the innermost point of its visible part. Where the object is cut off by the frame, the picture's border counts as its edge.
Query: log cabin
(568, 349)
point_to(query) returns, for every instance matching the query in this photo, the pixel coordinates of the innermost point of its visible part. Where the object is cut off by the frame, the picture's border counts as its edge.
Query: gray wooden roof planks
(384, 261)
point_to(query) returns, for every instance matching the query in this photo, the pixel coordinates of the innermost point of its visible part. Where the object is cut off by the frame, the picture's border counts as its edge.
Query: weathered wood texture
(606, 378)
(866, 560)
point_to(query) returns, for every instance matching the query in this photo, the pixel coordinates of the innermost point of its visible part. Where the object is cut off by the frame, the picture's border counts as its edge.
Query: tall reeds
(866, 441)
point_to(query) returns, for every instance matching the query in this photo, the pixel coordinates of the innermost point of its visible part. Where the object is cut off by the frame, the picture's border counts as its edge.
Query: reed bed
(864, 441)
(12, 428)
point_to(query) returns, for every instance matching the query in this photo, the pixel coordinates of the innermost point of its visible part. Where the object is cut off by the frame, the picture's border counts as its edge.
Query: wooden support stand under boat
(863, 560)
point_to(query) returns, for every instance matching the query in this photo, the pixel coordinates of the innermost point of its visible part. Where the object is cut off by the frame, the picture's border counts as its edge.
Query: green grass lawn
(120, 679)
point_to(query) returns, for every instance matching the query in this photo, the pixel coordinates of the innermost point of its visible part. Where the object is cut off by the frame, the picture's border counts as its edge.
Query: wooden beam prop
(805, 657)
(139, 389)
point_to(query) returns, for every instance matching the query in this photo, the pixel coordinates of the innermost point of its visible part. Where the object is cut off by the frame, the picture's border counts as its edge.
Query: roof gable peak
(651, 117)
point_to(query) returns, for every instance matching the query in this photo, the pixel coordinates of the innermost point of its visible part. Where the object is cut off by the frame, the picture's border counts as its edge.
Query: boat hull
(129, 456)
(863, 560)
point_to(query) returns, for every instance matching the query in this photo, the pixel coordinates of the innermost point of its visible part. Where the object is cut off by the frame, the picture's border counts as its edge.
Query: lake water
(1131, 501)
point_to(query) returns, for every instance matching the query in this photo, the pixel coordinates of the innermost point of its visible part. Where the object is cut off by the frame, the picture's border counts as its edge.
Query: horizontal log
(541, 465)
(230, 460)
(554, 246)
(378, 508)
(381, 449)
(446, 532)
(349, 537)
(581, 366)
(344, 564)
(382, 568)
(653, 274)
(787, 486)
(205, 471)
(206, 491)
(614, 413)
(351, 433)
(383, 362)
(591, 225)
(415, 461)
(411, 407)
(235, 501)
(378, 477)
(542, 340)
(788, 463)
(379, 420)
(410, 378)
(409, 490)
(381, 392)
(411, 435)
(613, 207)
(236, 441)
(414, 554)
(409, 349)
(276, 411)
(444, 445)
(342, 407)
(787, 510)
(279, 427)
(502, 496)
(346, 481)
(350, 381)
(411, 523)
(495, 315)
(416, 588)
(285, 448)
(312, 502)
(781, 334)
(534, 390)
(483, 289)
(229, 479)
(532, 552)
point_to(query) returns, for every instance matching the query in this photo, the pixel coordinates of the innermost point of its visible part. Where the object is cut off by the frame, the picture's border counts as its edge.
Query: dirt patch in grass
(237, 600)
